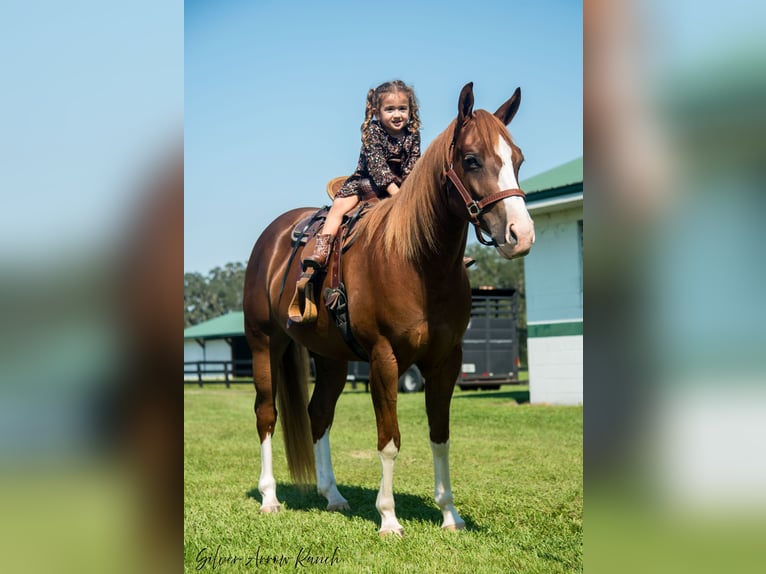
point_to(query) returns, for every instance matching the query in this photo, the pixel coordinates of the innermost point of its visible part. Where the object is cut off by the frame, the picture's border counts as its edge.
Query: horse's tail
(292, 400)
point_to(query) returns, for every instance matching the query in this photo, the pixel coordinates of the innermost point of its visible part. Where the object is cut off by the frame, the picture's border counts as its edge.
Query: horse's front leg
(384, 376)
(330, 380)
(440, 383)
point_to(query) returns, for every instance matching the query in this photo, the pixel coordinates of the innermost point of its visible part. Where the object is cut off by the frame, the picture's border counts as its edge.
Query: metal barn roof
(229, 325)
(556, 189)
(565, 175)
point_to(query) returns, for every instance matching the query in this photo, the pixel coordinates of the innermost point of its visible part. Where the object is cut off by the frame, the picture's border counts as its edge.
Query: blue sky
(274, 96)
(91, 101)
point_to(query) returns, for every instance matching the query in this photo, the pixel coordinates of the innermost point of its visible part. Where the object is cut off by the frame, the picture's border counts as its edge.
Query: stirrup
(303, 308)
(309, 263)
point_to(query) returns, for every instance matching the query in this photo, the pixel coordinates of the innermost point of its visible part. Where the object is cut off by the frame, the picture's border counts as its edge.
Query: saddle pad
(309, 226)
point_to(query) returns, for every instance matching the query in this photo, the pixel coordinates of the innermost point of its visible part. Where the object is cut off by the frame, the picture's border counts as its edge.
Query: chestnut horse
(409, 302)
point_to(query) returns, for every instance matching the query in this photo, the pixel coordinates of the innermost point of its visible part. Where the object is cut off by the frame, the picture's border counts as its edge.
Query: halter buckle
(474, 209)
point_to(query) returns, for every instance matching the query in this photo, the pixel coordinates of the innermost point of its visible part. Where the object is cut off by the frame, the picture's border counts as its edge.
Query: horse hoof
(338, 507)
(454, 527)
(273, 509)
(398, 532)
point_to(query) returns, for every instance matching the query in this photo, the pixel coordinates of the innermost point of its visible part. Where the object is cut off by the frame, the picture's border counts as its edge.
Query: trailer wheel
(411, 381)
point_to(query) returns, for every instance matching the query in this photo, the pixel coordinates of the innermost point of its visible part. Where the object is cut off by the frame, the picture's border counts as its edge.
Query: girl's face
(394, 112)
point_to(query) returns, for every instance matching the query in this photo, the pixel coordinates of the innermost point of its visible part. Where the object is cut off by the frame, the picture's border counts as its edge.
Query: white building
(214, 344)
(554, 285)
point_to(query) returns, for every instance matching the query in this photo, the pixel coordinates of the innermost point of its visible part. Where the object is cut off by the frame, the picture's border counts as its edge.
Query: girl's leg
(340, 206)
(323, 245)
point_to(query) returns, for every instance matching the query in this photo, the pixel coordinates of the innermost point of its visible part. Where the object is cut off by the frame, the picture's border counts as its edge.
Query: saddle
(303, 307)
(308, 227)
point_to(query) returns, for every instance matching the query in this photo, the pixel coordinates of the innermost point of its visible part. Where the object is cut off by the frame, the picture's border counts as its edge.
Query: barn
(213, 347)
(554, 285)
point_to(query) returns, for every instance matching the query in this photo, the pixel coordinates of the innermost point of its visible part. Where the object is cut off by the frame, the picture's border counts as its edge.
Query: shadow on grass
(362, 502)
(518, 396)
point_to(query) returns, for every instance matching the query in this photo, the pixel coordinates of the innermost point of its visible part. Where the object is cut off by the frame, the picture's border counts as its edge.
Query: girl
(390, 147)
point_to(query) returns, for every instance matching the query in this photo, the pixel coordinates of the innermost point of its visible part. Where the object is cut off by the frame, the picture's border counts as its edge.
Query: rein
(476, 208)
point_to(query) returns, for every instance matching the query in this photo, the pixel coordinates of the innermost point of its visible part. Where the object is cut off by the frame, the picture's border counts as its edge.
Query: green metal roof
(564, 176)
(229, 325)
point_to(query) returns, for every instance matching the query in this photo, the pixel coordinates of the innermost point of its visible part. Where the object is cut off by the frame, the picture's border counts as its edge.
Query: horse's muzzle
(517, 240)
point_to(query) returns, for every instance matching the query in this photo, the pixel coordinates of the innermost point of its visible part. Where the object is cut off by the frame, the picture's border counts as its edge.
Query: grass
(516, 475)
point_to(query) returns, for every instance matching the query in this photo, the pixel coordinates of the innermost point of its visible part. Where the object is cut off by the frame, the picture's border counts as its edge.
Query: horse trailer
(490, 346)
(491, 342)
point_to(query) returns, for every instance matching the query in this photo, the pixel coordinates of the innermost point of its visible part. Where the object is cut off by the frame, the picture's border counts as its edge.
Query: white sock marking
(442, 488)
(326, 484)
(385, 500)
(267, 485)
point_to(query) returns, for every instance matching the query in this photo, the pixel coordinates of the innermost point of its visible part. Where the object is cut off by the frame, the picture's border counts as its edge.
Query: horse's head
(486, 166)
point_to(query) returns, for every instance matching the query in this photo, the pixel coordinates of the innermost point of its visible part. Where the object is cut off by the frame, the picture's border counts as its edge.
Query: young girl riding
(390, 147)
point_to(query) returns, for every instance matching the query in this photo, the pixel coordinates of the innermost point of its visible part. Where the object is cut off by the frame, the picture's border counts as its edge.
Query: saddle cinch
(303, 306)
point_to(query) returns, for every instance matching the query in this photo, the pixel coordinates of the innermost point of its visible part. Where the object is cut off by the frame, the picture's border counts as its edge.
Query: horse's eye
(471, 162)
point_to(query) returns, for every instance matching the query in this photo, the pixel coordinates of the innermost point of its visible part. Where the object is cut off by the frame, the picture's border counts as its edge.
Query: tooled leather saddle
(302, 307)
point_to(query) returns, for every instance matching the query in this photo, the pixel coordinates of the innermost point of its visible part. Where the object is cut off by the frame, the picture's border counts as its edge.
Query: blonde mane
(407, 221)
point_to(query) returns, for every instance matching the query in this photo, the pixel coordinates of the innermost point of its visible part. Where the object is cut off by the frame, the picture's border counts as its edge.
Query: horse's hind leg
(330, 380)
(266, 418)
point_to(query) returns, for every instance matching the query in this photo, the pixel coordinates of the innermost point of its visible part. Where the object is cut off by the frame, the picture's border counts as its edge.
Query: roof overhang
(554, 203)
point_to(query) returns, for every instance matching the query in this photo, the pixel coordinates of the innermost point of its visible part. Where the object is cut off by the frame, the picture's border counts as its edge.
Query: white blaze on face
(507, 177)
(515, 207)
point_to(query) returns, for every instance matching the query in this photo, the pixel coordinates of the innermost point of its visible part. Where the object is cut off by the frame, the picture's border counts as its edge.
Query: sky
(91, 101)
(275, 93)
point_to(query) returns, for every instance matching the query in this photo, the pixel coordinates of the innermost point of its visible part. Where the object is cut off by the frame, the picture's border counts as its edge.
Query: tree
(218, 293)
(492, 270)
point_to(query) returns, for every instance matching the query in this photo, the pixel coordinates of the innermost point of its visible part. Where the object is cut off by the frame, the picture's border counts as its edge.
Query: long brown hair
(373, 103)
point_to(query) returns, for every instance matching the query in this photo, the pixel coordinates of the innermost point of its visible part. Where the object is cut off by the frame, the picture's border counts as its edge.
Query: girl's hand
(392, 189)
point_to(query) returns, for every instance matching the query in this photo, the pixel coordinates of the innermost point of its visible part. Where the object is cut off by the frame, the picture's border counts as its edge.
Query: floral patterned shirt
(385, 159)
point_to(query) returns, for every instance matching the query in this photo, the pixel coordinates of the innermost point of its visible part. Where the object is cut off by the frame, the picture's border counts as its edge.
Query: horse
(408, 299)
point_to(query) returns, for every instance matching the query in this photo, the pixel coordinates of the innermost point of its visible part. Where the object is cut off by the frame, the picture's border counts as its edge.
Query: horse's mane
(408, 220)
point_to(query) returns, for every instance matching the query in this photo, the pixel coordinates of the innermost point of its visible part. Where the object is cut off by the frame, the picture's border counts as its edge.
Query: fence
(216, 372)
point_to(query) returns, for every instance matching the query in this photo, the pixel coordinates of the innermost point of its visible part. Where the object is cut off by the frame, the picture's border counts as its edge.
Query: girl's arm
(377, 161)
(413, 155)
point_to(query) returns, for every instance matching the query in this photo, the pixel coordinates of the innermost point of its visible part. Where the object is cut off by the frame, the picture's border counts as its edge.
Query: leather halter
(476, 208)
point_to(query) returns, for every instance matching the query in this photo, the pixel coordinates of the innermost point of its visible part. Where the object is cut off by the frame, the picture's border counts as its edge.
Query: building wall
(214, 350)
(555, 370)
(553, 272)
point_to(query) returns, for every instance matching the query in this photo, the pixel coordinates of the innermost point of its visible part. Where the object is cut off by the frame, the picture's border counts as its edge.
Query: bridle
(476, 208)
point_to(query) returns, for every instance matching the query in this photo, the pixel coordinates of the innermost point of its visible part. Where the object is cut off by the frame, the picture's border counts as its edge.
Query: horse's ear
(506, 112)
(464, 108)
(465, 103)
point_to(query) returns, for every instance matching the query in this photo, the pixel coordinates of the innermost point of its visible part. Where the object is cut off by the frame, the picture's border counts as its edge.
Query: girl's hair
(373, 103)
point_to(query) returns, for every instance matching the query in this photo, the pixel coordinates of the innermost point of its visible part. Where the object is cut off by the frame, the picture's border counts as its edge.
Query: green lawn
(516, 475)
